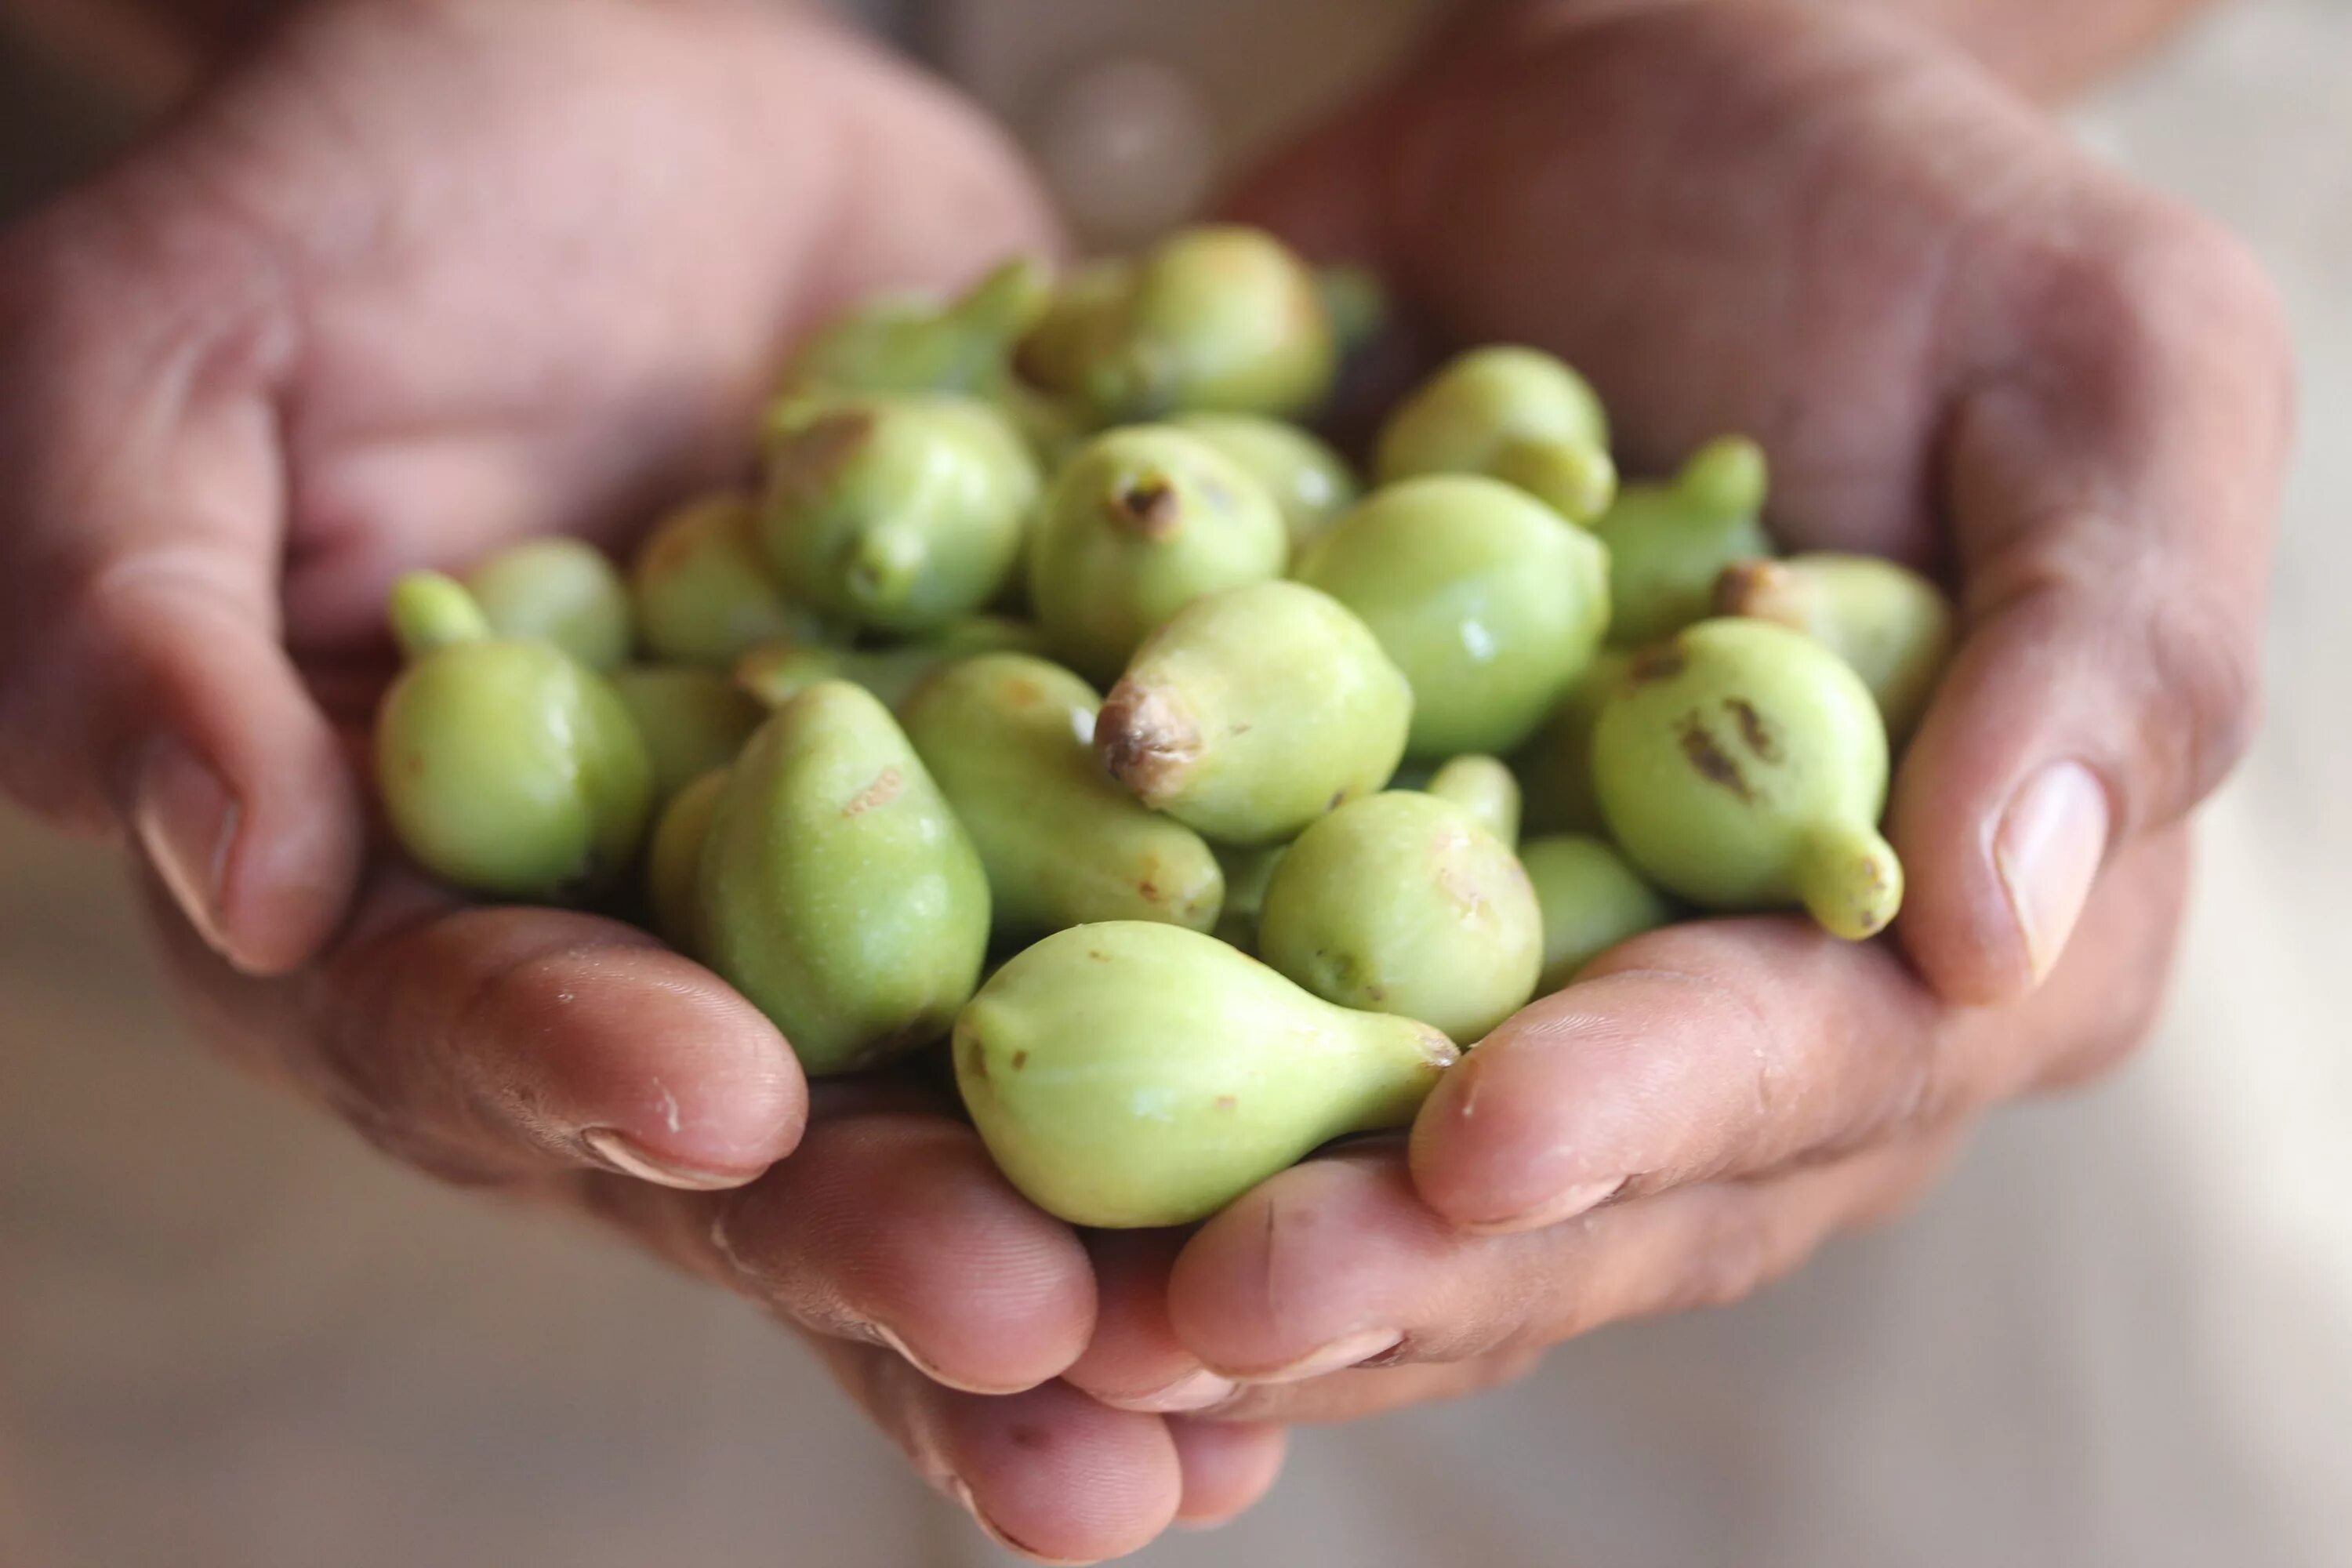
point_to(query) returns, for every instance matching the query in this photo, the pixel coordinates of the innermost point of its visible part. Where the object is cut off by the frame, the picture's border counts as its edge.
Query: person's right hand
(420, 278)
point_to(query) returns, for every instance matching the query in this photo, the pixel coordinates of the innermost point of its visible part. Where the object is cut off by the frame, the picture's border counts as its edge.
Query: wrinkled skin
(1962, 340)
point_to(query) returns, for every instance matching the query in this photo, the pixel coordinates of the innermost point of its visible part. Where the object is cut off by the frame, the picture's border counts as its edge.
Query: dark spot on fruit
(975, 1061)
(1753, 729)
(808, 460)
(1376, 993)
(1661, 663)
(1339, 799)
(1150, 891)
(1022, 692)
(1098, 955)
(1150, 508)
(1020, 1060)
(1713, 762)
(886, 787)
(1226, 1102)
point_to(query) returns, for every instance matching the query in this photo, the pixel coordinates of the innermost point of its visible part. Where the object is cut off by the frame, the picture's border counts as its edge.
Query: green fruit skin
(775, 673)
(1403, 903)
(1131, 1074)
(1310, 482)
(839, 893)
(702, 589)
(898, 513)
(1488, 601)
(1255, 711)
(561, 590)
(691, 719)
(673, 861)
(1892, 626)
(1591, 901)
(1555, 767)
(1486, 788)
(1141, 522)
(909, 344)
(1743, 766)
(1217, 318)
(1668, 543)
(1247, 872)
(509, 767)
(1464, 418)
(1011, 741)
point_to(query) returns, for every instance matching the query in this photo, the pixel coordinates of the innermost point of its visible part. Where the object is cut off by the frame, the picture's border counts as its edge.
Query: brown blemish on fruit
(1713, 762)
(1753, 729)
(1653, 664)
(1098, 955)
(1150, 507)
(1744, 584)
(1147, 740)
(1022, 692)
(975, 1060)
(811, 457)
(1020, 1060)
(885, 788)
(1226, 1102)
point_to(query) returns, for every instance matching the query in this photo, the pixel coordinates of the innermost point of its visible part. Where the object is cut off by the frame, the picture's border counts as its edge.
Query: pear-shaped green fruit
(1513, 414)
(703, 590)
(1247, 872)
(562, 590)
(839, 893)
(1892, 626)
(1132, 1073)
(692, 720)
(774, 673)
(1555, 767)
(673, 861)
(1488, 602)
(1591, 901)
(1403, 903)
(917, 343)
(1140, 522)
(1010, 739)
(1486, 788)
(506, 766)
(1310, 482)
(1255, 711)
(898, 513)
(1217, 317)
(1743, 765)
(1669, 542)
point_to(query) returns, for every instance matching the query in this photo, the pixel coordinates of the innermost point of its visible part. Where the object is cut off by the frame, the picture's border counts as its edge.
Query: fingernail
(883, 1334)
(1576, 1200)
(185, 821)
(619, 1151)
(1337, 1356)
(957, 1488)
(2047, 852)
(1195, 1390)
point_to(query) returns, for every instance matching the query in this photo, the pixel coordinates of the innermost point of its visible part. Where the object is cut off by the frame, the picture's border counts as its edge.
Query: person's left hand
(1965, 344)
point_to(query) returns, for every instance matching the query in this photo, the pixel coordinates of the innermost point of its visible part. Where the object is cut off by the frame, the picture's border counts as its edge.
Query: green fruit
(673, 861)
(1892, 626)
(1591, 901)
(1255, 711)
(1010, 739)
(898, 513)
(1668, 543)
(1215, 317)
(561, 590)
(702, 589)
(1141, 522)
(1488, 602)
(1247, 872)
(1403, 903)
(1309, 481)
(1555, 767)
(1132, 1074)
(691, 719)
(506, 766)
(1484, 787)
(839, 893)
(914, 343)
(775, 673)
(1743, 766)
(1513, 414)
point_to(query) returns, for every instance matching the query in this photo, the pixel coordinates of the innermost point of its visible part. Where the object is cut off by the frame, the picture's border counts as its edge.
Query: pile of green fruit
(1054, 695)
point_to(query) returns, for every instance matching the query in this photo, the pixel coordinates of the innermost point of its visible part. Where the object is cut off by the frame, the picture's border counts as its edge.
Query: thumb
(2111, 498)
(143, 683)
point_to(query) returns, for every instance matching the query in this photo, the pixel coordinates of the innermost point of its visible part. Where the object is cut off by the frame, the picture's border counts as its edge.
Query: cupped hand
(1966, 344)
(419, 277)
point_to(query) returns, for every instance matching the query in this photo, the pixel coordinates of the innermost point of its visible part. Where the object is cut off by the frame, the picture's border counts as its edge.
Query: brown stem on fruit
(1148, 739)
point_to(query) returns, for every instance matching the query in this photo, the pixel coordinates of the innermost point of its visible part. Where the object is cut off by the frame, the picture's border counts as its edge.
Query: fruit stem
(430, 610)
(1849, 880)
(1575, 479)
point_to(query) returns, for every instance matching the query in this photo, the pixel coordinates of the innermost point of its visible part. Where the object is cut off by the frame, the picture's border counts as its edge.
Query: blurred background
(232, 1338)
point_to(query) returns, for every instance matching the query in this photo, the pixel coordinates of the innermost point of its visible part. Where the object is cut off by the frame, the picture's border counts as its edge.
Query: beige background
(229, 1338)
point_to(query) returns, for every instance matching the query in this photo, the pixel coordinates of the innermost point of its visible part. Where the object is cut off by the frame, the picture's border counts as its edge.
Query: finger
(1359, 1392)
(2114, 481)
(893, 1227)
(1337, 1262)
(1228, 1467)
(1733, 1048)
(142, 684)
(1050, 1474)
(1134, 1360)
(494, 1044)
